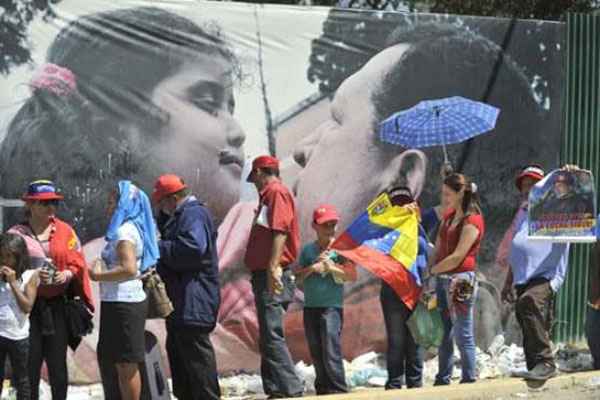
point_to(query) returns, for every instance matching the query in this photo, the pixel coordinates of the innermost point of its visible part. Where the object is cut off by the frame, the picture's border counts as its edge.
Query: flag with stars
(389, 242)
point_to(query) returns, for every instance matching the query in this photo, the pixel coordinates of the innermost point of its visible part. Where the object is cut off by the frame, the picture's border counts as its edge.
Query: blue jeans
(404, 356)
(592, 332)
(459, 329)
(277, 370)
(323, 329)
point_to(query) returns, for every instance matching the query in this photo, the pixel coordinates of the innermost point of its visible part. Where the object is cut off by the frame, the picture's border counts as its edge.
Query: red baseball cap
(534, 172)
(325, 213)
(166, 185)
(263, 162)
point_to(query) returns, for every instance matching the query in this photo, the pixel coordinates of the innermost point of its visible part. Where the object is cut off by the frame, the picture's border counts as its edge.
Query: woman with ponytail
(457, 246)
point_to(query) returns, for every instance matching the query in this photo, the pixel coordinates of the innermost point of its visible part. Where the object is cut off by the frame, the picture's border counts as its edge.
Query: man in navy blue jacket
(189, 267)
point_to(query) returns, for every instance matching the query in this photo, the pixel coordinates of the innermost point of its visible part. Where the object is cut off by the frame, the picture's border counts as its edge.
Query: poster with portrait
(562, 207)
(200, 88)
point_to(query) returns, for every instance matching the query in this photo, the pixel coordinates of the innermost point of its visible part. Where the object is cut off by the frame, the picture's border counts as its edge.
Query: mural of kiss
(161, 90)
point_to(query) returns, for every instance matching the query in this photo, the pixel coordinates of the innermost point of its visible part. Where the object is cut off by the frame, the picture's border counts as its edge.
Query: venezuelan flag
(389, 242)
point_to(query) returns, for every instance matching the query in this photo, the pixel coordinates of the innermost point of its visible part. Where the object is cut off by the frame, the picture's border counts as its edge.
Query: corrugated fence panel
(581, 146)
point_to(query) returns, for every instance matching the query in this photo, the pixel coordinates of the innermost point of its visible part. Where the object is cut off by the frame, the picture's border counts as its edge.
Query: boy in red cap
(272, 247)
(323, 273)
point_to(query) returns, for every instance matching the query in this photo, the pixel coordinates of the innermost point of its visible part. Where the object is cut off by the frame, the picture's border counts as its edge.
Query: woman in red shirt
(457, 246)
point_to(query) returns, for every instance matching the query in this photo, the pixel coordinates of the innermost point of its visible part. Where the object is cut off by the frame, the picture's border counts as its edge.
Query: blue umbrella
(438, 123)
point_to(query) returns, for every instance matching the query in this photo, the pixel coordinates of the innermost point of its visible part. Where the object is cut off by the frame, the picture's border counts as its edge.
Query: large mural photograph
(200, 89)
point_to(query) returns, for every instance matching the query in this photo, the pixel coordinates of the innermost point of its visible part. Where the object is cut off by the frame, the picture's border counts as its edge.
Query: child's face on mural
(202, 142)
(343, 164)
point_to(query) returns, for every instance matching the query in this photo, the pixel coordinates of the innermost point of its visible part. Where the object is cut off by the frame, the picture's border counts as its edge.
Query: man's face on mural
(561, 188)
(343, 163)
(202, 141)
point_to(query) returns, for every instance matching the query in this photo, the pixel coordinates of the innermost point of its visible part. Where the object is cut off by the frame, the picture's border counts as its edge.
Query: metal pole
(8, 203)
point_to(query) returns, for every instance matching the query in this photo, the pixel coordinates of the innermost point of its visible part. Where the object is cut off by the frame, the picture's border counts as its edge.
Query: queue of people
(42, 266)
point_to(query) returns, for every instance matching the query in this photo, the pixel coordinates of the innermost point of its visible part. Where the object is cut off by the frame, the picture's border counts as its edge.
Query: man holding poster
(537, 271)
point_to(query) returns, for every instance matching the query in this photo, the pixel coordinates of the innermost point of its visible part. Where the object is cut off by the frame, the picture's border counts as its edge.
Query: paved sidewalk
(577, 386)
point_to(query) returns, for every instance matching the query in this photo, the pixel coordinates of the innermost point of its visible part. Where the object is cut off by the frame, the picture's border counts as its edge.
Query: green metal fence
(581, 146)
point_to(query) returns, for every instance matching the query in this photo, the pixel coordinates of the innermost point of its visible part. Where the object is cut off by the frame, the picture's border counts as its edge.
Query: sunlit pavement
(576, 386)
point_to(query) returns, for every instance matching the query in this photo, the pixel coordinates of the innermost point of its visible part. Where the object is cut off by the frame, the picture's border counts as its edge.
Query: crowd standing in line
(185, 254)
(42, 265)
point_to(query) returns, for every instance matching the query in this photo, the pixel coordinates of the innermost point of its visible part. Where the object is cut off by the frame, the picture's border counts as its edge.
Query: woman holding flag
(457, 247)
(404, 356)
(382, 240)
(131, 247)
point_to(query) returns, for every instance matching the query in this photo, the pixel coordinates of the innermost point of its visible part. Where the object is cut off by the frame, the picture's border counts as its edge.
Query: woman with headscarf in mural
(456, 249)
(55, 249)
(131, 248)
(136, 93)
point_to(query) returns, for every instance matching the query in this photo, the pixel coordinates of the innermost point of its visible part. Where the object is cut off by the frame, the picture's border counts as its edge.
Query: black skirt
(122, 328)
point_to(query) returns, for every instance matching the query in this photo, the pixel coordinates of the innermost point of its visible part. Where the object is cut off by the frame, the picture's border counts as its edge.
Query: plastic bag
(426, 326)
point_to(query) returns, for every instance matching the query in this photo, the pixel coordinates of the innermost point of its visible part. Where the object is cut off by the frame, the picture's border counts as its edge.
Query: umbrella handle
(445, 154)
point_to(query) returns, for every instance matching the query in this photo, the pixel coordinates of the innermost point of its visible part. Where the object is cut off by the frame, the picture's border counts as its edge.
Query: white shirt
(14, 323)
(129, 291)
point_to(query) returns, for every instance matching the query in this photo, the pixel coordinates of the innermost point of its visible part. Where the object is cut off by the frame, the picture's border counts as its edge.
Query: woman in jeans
(131, 247)
(457, 246)
(55, 250)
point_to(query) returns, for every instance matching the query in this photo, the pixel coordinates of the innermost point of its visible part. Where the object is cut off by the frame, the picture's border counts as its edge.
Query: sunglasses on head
(48, 203)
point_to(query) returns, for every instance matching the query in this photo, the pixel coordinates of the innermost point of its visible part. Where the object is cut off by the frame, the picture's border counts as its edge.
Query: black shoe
(541, 372)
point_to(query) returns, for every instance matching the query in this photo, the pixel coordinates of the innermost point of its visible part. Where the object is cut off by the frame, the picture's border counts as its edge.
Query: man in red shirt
(273, 245)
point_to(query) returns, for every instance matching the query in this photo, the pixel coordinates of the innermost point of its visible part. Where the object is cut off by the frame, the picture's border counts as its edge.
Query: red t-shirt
(450, 236)
(276, 213)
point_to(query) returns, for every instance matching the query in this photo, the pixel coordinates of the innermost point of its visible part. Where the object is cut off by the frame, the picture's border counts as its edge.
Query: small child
(18, 289)
(323, 273)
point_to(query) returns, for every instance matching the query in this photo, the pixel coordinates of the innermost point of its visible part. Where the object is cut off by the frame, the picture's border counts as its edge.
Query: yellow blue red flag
(388, 241)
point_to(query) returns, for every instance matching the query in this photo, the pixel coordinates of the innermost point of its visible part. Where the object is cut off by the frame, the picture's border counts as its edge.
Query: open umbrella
(439, 123)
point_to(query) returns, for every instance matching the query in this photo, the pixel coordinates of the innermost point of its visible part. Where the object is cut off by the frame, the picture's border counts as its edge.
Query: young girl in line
(18, 289)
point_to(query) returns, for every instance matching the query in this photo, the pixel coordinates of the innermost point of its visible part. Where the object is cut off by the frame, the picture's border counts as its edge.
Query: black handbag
(79, 320)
